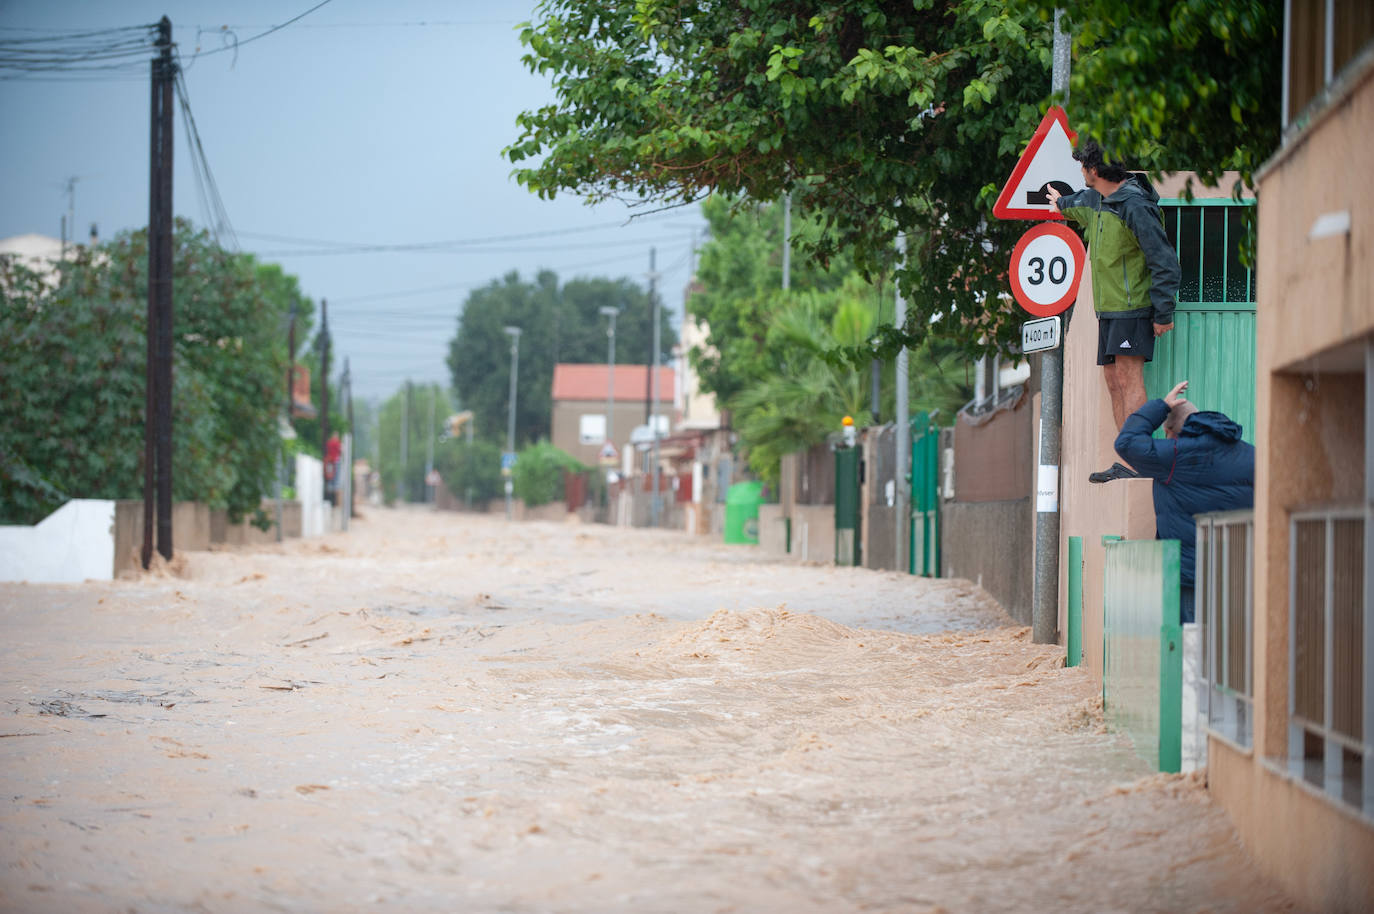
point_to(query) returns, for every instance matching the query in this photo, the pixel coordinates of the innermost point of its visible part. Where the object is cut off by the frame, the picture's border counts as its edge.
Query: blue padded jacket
(1206, 468)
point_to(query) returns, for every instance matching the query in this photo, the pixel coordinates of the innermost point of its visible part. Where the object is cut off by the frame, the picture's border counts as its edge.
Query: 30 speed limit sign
(1046, 266)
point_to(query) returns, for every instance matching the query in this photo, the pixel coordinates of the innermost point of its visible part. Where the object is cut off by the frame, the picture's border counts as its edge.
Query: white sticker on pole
(1047, 490)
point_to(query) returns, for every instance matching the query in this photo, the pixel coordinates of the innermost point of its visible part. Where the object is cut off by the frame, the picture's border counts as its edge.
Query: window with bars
(1207, 236)
(1327, 743)
(1225, 607)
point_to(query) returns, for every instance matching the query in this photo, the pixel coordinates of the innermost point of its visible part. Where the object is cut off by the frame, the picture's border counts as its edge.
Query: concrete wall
(315, 513)
(988, 529)
(992, 544)
(190, 532)
(244, 533)
(1315, 315)
(772, 530)
(813, 533)
(70, 545)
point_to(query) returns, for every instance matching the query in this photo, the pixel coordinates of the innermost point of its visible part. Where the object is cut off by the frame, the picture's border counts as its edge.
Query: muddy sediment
(438, 712)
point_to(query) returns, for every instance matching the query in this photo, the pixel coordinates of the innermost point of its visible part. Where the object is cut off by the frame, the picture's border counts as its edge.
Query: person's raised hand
(1175, 397)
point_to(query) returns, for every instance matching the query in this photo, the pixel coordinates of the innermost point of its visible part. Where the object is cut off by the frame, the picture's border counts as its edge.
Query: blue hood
(1212, 423)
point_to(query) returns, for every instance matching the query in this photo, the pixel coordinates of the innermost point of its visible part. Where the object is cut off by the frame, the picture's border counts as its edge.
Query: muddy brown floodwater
(440, 712)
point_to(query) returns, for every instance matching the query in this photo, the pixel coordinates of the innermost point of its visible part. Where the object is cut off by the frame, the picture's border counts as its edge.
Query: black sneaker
(1117, 471)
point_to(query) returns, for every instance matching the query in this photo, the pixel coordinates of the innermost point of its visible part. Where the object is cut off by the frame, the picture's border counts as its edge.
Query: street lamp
(508, 459)
(610, 312)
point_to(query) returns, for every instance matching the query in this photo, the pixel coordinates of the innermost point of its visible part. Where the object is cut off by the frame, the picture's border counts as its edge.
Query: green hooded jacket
(1135, 270)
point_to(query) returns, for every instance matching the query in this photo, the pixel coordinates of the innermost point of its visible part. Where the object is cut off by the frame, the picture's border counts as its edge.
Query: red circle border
(1080, 256)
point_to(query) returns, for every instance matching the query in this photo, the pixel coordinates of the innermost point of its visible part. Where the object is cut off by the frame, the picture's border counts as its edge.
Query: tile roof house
(579, 398)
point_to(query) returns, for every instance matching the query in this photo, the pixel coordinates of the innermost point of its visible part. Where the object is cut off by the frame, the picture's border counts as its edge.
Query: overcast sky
(362, 123)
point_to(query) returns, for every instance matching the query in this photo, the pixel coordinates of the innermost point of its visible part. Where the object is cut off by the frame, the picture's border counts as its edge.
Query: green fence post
(1170, 665)
(1075, 637)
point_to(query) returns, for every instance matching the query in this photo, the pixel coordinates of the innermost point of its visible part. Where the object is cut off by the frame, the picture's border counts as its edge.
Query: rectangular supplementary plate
(1040, 335)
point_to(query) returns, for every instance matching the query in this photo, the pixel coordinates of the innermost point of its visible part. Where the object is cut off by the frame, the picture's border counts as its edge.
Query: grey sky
(366, 123)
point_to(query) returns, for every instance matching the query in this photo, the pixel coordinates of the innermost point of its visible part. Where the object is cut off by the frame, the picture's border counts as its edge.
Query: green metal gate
(924, 538)
(1212, 345)
(847, 546)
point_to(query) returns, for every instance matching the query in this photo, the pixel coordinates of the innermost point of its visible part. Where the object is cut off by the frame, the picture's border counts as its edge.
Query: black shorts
(1124, 336)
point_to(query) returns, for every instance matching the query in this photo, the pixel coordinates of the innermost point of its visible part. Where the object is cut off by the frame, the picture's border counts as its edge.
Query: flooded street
(441, 712)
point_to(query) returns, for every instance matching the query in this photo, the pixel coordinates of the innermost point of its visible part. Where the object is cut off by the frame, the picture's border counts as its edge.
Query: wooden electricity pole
(157, 446)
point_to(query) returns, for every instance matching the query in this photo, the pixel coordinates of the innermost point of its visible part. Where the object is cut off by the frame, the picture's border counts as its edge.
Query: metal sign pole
(1045, 604)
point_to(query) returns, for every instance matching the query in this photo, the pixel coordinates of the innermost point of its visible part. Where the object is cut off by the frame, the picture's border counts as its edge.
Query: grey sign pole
(1045, 604)
(901, 485)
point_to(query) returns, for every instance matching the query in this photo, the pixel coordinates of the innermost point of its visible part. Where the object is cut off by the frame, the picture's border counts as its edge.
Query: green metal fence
(923, 557)
(1212, 345)
(1142, 676)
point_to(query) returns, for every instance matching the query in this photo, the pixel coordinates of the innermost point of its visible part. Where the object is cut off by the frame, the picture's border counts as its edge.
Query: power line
(76, 51)
(276, 28)
(365, 246)
(208, 189)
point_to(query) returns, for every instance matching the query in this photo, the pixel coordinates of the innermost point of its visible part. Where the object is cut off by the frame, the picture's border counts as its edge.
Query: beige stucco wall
(1315, 310)
(1322, 854)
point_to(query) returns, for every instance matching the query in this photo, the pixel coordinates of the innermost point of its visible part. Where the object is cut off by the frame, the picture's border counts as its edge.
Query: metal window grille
(1329, 745)
(1225, 607)
(1207, 235)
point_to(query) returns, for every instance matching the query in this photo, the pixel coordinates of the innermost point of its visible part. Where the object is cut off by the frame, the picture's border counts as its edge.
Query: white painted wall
(315, 520)
(75, 543)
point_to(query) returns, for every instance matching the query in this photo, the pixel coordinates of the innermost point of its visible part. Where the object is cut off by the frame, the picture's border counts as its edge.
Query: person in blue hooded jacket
(1200, 465)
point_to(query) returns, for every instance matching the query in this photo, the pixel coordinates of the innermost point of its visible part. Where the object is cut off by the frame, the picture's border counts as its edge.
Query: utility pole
(653, 356)
(653, 391)
(69, 220)
(610, 312)
(787, 241)
(286, 418)
(1045, 604)
(401, 483)
(429, 446)
(514, 334)
(157, 447)
(324, 388)
(901, 477)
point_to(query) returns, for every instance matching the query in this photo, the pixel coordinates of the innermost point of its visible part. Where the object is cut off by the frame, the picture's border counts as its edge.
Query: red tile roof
(588, 382)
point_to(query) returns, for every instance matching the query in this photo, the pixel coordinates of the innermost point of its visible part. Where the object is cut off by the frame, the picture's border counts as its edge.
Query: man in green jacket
(1135, 276)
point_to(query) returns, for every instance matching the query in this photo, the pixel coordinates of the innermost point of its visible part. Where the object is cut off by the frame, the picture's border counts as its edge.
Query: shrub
(538, 475)
(470, 470)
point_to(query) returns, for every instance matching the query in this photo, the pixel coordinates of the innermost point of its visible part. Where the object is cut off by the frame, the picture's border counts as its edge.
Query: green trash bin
(742, 502)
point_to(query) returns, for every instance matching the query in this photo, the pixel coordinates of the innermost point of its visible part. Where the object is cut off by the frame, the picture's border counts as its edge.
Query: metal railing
(1330, 744)
(1225, 607)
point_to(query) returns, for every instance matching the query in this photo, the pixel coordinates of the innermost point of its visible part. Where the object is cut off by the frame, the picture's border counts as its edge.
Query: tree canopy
(882, 117)
(1173, 85)
(767, 357)
(72, 380)
(558, 323)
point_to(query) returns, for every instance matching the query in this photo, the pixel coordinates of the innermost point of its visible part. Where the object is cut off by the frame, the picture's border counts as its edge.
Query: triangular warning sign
(1047, 160)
